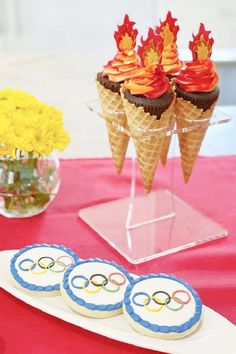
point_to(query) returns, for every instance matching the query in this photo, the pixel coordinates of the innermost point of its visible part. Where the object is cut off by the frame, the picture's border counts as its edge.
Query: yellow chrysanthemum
(29, 125)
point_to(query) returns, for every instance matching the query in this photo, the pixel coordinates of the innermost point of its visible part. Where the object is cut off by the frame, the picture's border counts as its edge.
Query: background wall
(81, 24)
(87, 27)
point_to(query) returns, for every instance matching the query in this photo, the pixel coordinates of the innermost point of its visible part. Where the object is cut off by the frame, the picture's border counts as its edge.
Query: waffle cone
(166, 145)
(189, 116)
(148, 145)
(111, 104)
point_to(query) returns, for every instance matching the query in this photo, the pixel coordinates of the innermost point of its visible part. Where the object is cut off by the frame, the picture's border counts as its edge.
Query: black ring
(103, 283)
(167, 301)
(50, 264)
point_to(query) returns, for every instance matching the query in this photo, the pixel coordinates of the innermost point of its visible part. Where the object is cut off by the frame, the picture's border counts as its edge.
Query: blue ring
(138, 294)
(81, 277)
(26, 260)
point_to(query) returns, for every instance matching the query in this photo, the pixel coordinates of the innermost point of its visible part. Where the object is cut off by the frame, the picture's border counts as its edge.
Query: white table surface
(67, 82)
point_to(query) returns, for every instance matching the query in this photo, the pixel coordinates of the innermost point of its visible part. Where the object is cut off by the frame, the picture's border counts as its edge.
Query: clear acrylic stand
(144, 227)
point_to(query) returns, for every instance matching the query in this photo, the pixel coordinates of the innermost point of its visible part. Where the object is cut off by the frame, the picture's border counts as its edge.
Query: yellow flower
(29, 125)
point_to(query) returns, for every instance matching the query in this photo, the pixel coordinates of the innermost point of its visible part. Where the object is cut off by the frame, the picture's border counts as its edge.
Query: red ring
(66, 256)
(115, 282)
(179, 300)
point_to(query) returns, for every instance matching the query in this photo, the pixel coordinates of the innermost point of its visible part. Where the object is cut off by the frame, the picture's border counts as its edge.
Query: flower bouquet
(30, 131)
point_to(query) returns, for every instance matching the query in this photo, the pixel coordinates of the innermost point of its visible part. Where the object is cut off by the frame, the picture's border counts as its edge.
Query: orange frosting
(198, 76)
(122, 67)
(168, 32)
(170, 59)
(125, 62)
(149, 81)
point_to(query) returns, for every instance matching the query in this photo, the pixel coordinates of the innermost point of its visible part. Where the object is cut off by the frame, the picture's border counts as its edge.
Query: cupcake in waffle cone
(148, 102)
(196, 121)
(168, 31)
(149, 135)
(167, 141)
(109, 81)
(196, 97)
(113, 112)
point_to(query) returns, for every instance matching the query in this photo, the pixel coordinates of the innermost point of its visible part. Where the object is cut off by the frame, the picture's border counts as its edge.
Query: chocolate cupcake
(153, 106)
(202, 100)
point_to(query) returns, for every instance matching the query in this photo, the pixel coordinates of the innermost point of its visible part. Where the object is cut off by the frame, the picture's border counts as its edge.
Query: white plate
(216, 334)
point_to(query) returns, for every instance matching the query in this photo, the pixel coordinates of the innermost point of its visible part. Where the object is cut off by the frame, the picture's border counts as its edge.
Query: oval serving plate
(215, 335)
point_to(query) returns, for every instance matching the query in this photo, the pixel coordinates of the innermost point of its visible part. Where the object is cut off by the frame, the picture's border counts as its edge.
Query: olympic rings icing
(158, 301)
(46, 257)
(104, 282)
(111, 290)
(68, 265)
(99, 285)
(79, 277)
(141, 293)
(115, 282)
(45, 266)
(23, 261)
(161, 303)
(179, 300)
(90, 291)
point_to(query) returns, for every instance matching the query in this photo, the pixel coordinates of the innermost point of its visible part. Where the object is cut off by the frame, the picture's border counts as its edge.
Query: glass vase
(28, 184)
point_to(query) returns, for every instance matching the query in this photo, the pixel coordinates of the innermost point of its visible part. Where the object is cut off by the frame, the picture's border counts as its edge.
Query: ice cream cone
(166, 144)
(113, 112)
(196, 121)
(148, 144)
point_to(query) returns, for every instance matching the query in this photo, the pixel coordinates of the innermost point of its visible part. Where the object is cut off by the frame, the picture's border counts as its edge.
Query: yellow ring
(153, 309)
(91, 291)
(40, 272)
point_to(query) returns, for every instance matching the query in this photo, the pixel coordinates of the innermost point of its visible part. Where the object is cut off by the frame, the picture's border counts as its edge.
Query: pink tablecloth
(210, 268)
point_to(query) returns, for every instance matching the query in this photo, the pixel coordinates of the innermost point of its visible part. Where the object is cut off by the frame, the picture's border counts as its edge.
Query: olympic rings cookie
(162, 306)
(95, 288)
(38, 269)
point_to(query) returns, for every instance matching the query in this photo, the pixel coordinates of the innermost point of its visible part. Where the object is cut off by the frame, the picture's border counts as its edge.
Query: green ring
(58, 271)
(174, 309)
(109, 290)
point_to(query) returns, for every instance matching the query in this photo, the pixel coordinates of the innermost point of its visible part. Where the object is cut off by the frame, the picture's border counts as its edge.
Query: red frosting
(198, 76)
(149, 81)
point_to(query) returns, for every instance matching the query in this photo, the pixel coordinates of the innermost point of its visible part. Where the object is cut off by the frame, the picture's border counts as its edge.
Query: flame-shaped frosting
(201, 46)
(149, 81)
(121, 67)
(198, 76)
(151, 50)
(168, 32)
(126, 36)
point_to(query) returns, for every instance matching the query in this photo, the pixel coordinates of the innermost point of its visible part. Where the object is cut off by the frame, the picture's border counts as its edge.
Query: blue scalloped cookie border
(154, 327)
(88, 305)
(34, 287)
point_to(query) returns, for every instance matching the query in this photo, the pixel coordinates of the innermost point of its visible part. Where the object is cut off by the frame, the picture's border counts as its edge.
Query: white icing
(47, 278)
(102, 297)
(165, 317)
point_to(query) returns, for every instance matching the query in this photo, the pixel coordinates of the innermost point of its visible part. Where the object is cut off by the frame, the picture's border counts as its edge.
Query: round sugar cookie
(38, 269)
(162, 306)
(95, 288)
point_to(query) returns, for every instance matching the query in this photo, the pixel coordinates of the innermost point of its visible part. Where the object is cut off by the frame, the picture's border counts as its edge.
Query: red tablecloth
(210, 268)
